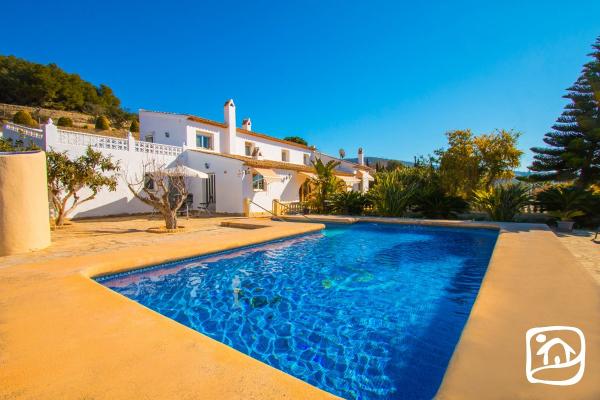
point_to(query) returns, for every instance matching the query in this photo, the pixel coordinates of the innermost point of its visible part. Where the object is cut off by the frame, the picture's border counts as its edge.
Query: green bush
(502, 202)
(348, 203)
(570, 203)
(395, 192)
(102, 123)
(135, 126)
(436, 204)
(64, 121)
(24, 118)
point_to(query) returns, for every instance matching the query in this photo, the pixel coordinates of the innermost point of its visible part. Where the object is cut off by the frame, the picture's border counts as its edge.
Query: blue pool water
(369, 311)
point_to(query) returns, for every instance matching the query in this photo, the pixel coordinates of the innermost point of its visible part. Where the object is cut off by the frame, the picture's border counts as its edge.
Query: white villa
(248, 172)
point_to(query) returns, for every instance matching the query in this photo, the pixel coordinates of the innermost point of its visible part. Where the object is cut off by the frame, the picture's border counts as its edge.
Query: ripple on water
(363, 311)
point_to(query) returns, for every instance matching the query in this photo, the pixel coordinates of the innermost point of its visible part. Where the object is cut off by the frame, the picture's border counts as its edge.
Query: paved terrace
(64, 336)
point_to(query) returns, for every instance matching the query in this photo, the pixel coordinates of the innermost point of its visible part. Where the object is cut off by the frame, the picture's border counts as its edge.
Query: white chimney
(361, 156)
(230, 135)
(247, 124)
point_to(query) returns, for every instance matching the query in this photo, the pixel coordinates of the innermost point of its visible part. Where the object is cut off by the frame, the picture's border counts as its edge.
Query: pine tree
(574, 143)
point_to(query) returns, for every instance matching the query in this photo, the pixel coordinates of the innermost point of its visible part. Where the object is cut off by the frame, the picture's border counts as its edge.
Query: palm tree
(342, 153)
(324, 184)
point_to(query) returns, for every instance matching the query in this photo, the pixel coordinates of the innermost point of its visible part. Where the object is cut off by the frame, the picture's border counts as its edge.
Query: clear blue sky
(389, 76)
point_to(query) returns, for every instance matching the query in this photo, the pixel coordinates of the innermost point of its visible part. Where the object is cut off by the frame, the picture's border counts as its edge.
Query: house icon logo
(555, 355)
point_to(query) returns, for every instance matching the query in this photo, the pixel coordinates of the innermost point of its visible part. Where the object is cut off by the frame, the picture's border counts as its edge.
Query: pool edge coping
(451, 387)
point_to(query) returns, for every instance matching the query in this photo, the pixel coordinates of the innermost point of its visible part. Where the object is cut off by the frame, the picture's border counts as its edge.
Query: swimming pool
(370, 311)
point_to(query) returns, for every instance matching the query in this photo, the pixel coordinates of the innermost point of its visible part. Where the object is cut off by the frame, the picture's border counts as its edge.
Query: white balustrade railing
(75, 138)
(157, 148)
(25, 130)
(87, 139)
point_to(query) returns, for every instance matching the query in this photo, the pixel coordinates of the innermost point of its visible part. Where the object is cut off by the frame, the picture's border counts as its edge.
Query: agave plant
(394, 191)
(501, 202)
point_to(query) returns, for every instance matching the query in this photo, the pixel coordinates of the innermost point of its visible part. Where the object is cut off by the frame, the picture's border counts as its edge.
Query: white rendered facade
(235, 159)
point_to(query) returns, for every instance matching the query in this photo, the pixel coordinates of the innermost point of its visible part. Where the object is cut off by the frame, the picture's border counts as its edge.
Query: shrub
(24, 118)
(502, 202)
(349, 203)
(64, 121)
(324, 185)
(135, 126)
(561, 198)
(67, 177)
(102, 123)
(396, 191)
(436, 204)
(570, 202)
(393, 193)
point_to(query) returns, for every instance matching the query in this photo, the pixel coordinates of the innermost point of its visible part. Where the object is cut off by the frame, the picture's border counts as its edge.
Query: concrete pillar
(50, 135)
(24, 218)
(246, 207)
(130, 142)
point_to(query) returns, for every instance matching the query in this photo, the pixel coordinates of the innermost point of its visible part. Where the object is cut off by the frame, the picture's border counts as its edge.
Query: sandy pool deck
(64, 336)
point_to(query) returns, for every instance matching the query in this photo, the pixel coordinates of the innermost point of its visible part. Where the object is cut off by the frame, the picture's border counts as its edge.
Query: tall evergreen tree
(574, 143)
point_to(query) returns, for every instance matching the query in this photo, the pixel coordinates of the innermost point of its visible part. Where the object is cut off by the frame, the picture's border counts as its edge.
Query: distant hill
(373, 161)
(81, 122)
(522, 173)
(30, 84)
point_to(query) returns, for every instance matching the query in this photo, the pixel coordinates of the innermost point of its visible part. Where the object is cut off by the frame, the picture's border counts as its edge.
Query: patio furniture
(186, 206)
(203, 207)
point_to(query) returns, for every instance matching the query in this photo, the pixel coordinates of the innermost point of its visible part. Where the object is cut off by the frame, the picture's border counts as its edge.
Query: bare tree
(164, 189)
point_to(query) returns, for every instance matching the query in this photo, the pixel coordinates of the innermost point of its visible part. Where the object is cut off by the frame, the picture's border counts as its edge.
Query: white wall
(121, 201)
(124, 151)
(157, 124)
(182, 130)
(285, 190)
(271, 150)
(193, 127)
(228, 180)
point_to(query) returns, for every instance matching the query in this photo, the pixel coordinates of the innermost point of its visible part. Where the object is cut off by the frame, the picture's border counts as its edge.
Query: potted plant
(565, 219)
(564, 203)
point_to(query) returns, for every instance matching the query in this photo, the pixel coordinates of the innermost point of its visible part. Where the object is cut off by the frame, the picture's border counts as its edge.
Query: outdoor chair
(186, 206)
(203, 208)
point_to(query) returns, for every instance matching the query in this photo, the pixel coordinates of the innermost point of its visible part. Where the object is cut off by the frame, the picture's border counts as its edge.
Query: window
(148, 182)
(285, 155)
(204, 141)
(248, 148)
(149, 138)
(306, 159)
(258, 182)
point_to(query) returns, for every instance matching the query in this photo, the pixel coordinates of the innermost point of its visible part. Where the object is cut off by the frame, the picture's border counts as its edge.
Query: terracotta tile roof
(253, 162)
(264, 136)
(246, 132)
(206, 121)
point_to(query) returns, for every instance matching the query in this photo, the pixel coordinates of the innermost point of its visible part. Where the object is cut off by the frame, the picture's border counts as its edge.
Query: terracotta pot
(565, 226)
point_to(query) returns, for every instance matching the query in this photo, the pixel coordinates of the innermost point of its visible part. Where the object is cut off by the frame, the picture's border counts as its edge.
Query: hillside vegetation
(36, 85)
